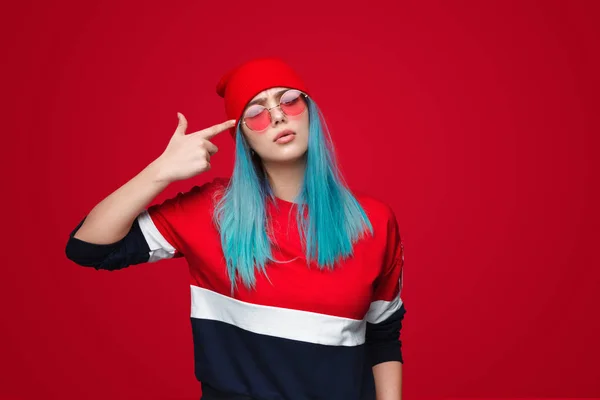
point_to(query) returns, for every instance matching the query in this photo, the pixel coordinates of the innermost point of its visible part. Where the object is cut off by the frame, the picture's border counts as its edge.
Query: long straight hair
(329, 218)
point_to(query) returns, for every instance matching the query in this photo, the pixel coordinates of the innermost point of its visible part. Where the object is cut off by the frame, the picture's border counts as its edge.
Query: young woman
(295, 280)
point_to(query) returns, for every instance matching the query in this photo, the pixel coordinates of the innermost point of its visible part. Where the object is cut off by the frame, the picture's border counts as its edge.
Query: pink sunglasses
(258, 117)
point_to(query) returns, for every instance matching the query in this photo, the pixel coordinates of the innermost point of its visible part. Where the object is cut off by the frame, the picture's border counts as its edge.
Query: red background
(476, 120)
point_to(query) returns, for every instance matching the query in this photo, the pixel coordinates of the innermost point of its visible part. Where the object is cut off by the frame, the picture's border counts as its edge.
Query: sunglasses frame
(269, 109)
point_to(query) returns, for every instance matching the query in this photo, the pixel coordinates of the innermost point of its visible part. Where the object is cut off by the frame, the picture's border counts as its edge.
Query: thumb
(182, 125)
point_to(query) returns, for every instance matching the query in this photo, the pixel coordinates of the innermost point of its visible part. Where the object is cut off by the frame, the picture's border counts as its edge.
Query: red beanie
(241, 84)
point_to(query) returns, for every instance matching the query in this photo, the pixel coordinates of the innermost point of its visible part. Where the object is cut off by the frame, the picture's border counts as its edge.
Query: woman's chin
(288, 154)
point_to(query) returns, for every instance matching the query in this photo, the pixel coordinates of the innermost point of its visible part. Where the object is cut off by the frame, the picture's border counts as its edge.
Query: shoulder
(201, 196)
(205, 194)
(209, 188)
(383, 218)
(384, 221)
(376, 208)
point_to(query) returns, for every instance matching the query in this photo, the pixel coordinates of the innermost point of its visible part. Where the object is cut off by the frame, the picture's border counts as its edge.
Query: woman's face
(264, 143)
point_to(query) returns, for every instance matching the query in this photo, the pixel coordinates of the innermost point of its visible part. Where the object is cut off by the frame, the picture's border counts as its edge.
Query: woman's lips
(287, 136)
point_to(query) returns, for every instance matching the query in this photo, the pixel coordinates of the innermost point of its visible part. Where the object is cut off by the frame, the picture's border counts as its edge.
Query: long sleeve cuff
(383, 339)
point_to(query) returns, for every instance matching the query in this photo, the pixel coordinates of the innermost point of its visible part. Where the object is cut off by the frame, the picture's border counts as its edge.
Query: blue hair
(334, 220)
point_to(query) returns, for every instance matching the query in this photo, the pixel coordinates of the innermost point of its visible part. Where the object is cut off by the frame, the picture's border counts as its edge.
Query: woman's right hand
(189, 155)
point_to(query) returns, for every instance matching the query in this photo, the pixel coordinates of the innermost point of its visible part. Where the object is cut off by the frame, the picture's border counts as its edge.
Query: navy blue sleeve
(131, 249)
(383, 338)
(385, 315)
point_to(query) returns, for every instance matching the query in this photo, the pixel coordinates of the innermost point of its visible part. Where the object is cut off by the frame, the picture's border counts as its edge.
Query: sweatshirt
(302, 333)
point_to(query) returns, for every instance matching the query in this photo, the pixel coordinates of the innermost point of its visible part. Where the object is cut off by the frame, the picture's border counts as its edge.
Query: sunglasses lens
(292, 102)
(257, 118)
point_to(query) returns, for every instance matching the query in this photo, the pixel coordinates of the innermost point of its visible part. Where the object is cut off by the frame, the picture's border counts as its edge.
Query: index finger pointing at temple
(214, 130)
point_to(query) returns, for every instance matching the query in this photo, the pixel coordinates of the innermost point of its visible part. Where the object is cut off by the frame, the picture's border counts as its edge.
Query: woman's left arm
(384, 319)
(388, 380)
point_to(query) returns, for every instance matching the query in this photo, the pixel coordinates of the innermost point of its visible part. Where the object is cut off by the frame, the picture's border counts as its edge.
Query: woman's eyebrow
(262, 99)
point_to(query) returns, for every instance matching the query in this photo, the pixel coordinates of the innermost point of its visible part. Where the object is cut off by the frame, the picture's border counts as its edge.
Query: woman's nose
(277, 114)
